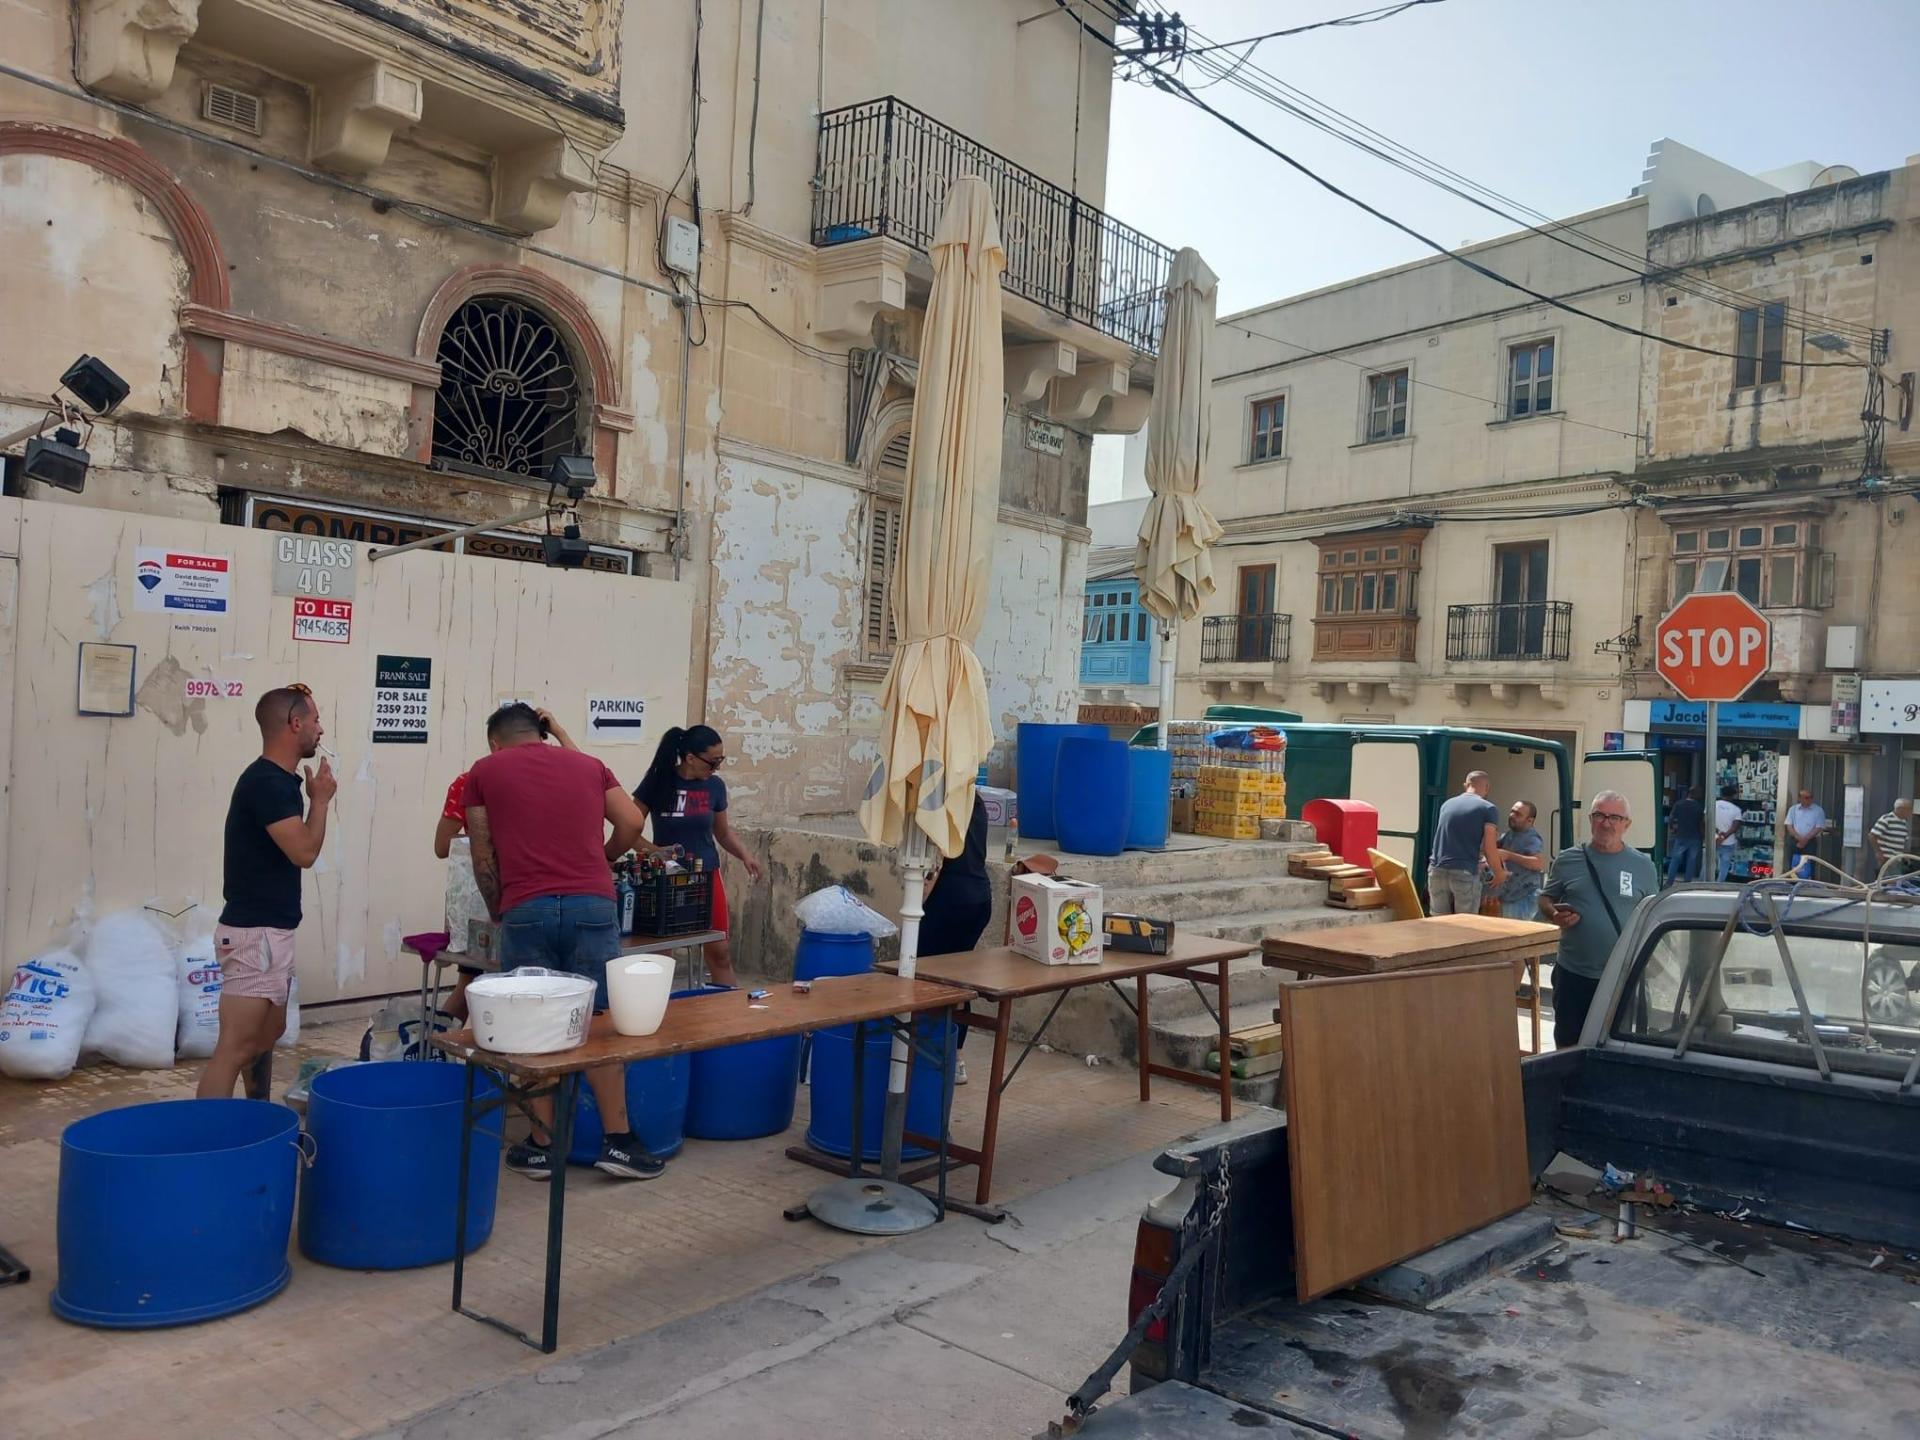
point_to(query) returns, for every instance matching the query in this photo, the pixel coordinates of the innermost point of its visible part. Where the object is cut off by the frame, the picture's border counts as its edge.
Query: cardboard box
(1183, 814)
(1001, 804)
(1139, 933)
(1056, 921)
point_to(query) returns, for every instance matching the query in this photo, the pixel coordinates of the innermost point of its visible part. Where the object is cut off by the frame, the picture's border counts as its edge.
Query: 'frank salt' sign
(615, 719)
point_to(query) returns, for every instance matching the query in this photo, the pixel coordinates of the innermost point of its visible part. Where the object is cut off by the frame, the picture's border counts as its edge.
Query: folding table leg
(856, 1142)
(461, 1188)
(1144, 1040)
(996, 1082)
(562, 1141)
(1226, 1045)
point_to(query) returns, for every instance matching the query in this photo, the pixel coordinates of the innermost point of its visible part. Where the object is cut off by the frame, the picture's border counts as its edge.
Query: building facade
(1781, 464)
(371, 268)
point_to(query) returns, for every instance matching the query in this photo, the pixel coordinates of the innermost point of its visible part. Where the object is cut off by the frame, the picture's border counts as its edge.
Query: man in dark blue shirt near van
(1467, 832)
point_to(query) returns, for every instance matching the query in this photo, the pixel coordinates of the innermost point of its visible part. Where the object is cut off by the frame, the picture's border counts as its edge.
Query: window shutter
(883, 551)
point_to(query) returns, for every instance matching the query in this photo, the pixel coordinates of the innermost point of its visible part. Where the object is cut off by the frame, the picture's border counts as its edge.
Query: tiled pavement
(343, 1353)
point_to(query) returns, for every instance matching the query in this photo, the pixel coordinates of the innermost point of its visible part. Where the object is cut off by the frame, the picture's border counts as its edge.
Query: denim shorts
(577, 934)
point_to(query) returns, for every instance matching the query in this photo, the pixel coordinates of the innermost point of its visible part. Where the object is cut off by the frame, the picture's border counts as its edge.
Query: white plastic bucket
(637, 992)
(530, 1011)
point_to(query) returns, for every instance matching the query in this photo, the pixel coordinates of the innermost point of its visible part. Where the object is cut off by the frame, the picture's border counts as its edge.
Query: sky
(1552, 102)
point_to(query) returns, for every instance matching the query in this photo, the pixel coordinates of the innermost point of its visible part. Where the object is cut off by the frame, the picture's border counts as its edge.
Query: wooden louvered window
(883, 551)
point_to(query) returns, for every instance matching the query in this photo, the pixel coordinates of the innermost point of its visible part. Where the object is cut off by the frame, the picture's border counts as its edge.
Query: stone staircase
(1237, 891)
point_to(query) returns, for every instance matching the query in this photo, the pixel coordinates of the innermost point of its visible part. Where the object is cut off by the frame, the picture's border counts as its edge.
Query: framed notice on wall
(106, 678)
(402, 685)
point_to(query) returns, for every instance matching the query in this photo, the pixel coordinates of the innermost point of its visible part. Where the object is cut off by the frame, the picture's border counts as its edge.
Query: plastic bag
(44, 1016)
(291, 1035)
(465, 903)
(198, 979)
(137, 990)
(394, 1032)
(836, 910)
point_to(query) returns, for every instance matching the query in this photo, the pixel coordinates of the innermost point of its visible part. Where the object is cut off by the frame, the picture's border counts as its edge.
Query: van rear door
(1636, 775)
(1386, 774)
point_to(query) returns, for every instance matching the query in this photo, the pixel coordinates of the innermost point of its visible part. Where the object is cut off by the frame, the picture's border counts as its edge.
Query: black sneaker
(531, 1160)
(621, 1155)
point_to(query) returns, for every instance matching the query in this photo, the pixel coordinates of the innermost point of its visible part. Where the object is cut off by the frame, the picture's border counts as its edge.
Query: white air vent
(226, 106)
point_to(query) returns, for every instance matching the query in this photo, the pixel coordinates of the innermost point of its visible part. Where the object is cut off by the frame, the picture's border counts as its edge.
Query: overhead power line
(1363, 17)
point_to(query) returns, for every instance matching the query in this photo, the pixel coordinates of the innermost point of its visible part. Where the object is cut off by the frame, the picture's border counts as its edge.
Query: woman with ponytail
(685, 800)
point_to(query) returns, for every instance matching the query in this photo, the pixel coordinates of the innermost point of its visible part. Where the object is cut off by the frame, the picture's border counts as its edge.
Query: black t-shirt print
(262, 884)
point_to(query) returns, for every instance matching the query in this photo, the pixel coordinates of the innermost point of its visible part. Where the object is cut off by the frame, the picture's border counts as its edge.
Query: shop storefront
(1756, 748)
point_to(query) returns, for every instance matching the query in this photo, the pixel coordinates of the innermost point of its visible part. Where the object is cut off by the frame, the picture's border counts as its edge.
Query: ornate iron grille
(509, 394)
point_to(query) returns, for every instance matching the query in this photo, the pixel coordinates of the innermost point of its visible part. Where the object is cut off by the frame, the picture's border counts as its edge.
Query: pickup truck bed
(1648, 1337)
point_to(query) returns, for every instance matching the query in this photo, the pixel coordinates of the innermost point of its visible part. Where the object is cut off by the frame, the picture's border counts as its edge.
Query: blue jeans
(577, 934)
(1683, 860)
(1724, 856)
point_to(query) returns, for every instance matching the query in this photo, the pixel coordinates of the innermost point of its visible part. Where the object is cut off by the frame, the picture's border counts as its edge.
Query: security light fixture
(95, 385)
(59, 461)
(565, 551)
(573, 474)
(1827, 341)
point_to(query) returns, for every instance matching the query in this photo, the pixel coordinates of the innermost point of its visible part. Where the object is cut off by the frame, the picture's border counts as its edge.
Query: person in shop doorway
(686, 801)
(1468, 831)
(1892, 835)
(465, 903)
(1726, 831)
(958, 904)
(537, 817)
(1590, 893)
(1523, 848)
(1806, 823)
(269, 841)
(1683, 836)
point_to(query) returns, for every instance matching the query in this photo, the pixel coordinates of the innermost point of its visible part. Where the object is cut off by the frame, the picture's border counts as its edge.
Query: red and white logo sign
(1026, 917)
(329, 622)
(1712, 647)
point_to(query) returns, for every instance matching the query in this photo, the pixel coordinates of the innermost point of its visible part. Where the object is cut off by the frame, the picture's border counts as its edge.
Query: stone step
(1186, 1043)
(1192, 858)
(1198, 899)
(1255, 926)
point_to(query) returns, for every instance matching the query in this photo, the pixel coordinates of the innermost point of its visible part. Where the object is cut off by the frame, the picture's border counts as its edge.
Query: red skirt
(720, 918)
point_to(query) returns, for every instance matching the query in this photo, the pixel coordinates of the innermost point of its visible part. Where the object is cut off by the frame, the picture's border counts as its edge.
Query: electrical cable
(1363, 17)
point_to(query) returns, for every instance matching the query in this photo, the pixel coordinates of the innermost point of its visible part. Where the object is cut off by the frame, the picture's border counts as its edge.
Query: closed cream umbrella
(1177, 532)
(937, 728)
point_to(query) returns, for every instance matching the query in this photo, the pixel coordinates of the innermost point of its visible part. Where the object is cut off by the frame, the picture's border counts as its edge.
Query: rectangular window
(1686, 542)
(1371, 581)
(1269, 433)
(1387, 405)
(1530, 379)
(883, 554)
(1760, 344)
(1775, 564)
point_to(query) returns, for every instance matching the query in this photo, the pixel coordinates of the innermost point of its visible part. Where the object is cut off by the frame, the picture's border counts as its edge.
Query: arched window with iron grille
(510, 398)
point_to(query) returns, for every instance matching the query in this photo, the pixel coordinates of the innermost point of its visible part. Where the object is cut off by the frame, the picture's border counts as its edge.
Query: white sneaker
(959, 1069)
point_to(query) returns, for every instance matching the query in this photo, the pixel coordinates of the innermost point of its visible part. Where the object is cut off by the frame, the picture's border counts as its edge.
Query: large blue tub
(1037, 752)
(820, 953)
(741, 1092)
(175, 1211)
(657, 1092)
(1092, 796)
(830, 1103)
(382, 1190)
(1150, 797)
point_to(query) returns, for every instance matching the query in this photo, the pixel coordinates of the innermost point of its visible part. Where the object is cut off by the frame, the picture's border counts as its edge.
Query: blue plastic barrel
(382, 1190)
(830, 1113)
(1150, 793)
(820, 953)
(657, 1093)
(1092, 790)
(741, 1092)
(1038, 750)
(175, 1211)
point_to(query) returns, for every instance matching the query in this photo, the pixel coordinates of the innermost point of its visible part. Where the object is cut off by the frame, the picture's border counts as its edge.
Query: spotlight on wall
(95, 385)
(573, 474)
(565, 551)
(59, 461)
(1828, 342)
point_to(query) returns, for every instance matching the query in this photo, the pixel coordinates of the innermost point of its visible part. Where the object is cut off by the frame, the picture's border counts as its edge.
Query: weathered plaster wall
(1030, 641)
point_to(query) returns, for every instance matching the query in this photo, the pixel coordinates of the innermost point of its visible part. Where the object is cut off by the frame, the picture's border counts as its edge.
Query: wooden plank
(1404, 1119)
(1370, 949)
(1000, 971)
(1369, 897)
(1246, 1067)
(1298, 862)
(706, 1022)
(1255, 1040)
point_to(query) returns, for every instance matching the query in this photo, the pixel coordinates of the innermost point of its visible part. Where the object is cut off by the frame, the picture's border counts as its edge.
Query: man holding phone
(1591, 894)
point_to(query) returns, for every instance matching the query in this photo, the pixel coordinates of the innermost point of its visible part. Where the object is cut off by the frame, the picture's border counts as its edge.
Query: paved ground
(344, 1353)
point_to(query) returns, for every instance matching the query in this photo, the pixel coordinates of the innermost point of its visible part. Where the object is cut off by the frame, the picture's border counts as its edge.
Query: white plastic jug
(637, 992)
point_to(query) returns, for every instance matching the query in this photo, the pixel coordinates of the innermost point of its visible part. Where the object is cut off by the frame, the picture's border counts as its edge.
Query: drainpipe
(686, 362)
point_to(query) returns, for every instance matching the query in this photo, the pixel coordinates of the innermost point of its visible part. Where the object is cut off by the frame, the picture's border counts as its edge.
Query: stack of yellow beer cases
(1233, 799)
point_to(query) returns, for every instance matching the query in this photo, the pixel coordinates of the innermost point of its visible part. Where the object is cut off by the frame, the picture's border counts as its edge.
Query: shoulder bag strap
(1599, 889)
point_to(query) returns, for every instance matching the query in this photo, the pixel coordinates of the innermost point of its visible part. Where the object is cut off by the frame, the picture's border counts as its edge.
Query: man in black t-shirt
(268, 844)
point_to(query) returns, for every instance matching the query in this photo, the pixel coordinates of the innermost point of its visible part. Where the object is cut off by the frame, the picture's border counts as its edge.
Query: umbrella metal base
(867, 1205)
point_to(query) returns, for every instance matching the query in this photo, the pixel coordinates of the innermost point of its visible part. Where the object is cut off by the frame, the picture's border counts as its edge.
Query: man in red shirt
(536, 821)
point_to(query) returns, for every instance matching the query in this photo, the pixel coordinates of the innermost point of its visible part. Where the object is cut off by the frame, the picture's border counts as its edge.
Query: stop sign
(1712, 646)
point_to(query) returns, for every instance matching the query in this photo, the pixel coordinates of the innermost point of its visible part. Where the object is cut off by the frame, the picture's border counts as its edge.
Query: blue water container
(175, 1211)
(820, 953)
(657, 1092)
(741, 1092)
(382, 1190)
(830, 1113)
(1150, 795)
(1092, 791)
(1037, 752)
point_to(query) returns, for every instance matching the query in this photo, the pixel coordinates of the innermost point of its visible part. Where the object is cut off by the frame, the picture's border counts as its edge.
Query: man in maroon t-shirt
(536, 821)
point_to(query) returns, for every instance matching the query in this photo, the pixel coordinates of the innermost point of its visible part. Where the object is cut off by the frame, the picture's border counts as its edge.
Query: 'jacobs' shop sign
(374, 528)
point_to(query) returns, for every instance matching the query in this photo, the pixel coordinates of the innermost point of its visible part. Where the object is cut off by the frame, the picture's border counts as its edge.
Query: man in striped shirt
(1892, 834)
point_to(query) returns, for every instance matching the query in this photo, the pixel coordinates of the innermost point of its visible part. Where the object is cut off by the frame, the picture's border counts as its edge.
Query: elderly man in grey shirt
(1466, 832)
(1591, 894)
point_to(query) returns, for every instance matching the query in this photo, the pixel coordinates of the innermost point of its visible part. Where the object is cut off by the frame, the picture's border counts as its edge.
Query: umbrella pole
(1166, 683)
(894, 1123)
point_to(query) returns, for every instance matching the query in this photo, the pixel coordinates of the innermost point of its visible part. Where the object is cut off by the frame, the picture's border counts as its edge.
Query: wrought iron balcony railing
(885, 168)
(1245, 639)
(1528, 630)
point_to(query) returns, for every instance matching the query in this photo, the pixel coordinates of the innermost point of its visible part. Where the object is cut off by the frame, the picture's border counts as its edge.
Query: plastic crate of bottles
(672, 902)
